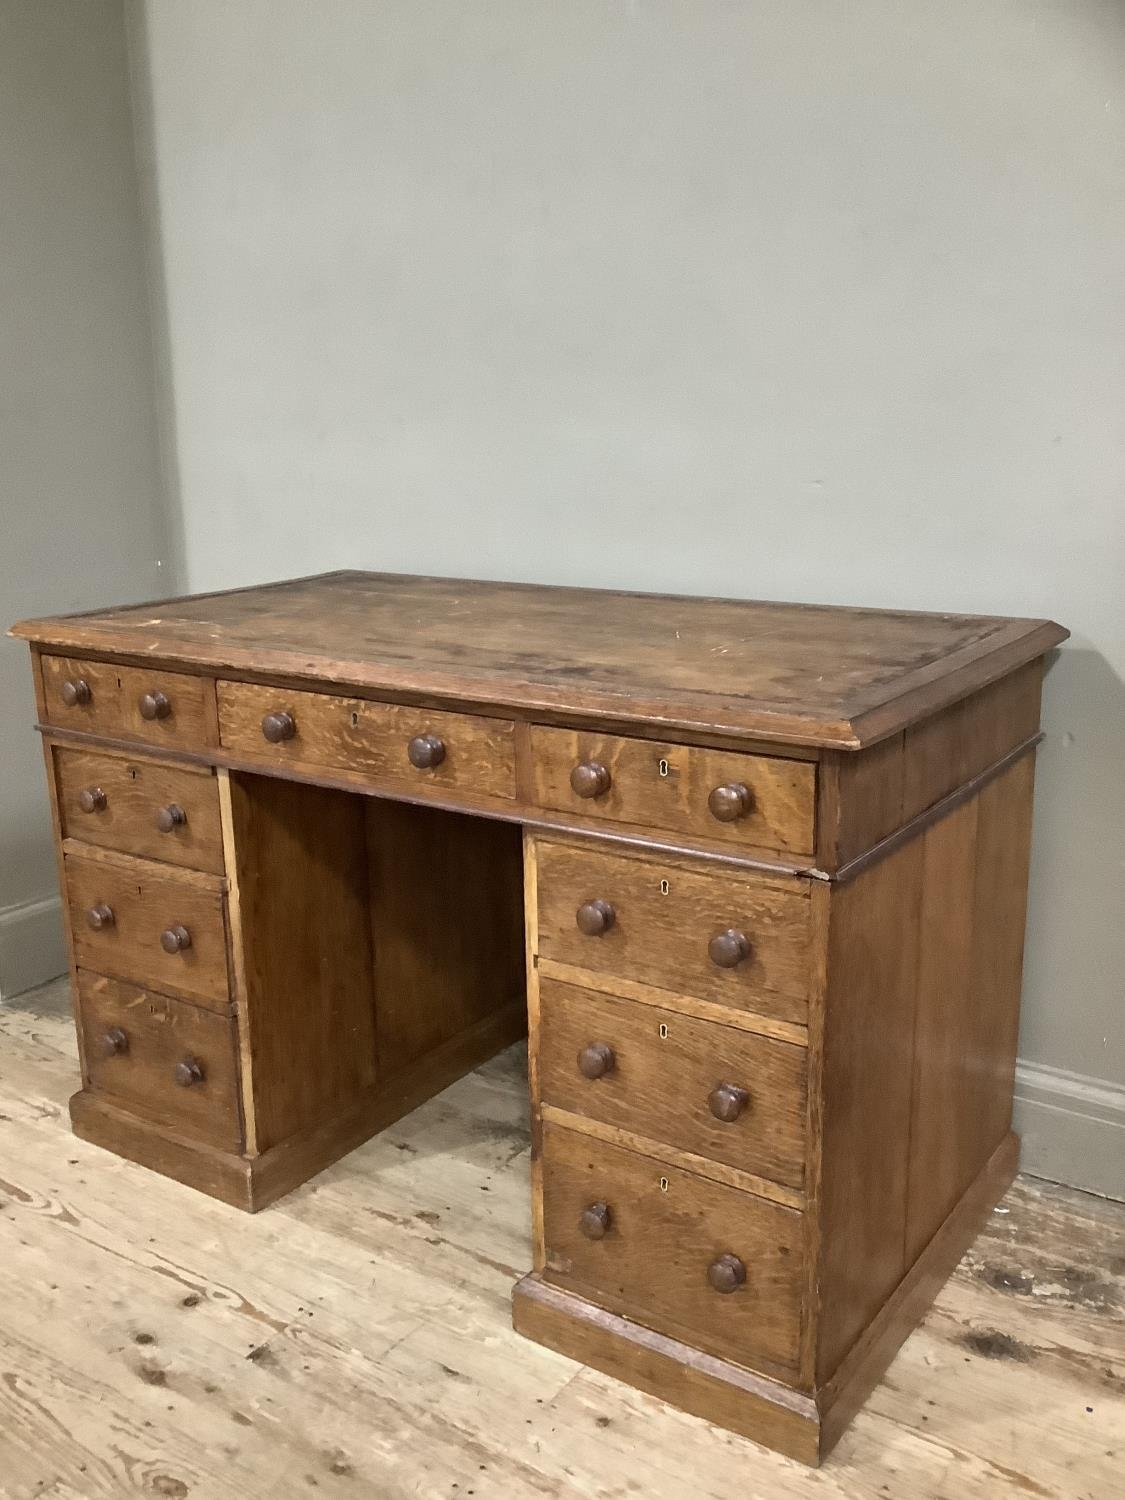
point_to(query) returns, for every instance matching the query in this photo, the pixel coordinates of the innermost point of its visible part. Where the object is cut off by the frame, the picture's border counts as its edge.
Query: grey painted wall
(80, 514)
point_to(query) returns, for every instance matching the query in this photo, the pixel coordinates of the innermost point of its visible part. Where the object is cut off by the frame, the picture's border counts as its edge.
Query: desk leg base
(221, 1174)
(723, 1393)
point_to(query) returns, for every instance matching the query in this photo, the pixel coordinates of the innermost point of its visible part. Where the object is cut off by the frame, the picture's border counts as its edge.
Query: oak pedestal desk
(753, 877)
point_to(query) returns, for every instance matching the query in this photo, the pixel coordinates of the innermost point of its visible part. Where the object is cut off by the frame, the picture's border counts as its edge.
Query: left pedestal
(253, 963)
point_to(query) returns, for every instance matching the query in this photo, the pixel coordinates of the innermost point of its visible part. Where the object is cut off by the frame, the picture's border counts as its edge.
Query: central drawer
(716, 1267)
(420, 749)
(734, 938)
(177, 1062)
(149, 924)
(718, 1091)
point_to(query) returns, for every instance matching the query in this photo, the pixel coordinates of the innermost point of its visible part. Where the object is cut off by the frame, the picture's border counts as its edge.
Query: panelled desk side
(752, 876)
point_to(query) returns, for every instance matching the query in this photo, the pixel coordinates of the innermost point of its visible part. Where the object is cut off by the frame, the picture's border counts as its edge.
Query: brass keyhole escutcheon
(663, 1031)
(664, 1184)
(663, 767)
(664, 887)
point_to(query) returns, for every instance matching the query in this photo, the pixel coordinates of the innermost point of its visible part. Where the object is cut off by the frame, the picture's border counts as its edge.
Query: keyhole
(663, 766)
(355, 719)
(663, 1031)
(664, 887)
(664, 1184)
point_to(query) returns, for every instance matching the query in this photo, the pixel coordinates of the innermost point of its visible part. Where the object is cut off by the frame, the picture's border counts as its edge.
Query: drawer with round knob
(140, 805)
(756, 802)
(141, 703)
(737, 939)
(417, 749)
(717, 1091)
(175, 1063)
(136, 920)
(706, 1263)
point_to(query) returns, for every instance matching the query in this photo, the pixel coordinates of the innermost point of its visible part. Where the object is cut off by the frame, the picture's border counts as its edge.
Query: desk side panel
(924, 972)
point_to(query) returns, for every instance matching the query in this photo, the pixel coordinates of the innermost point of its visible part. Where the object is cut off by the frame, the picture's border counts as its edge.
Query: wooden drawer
(176, 1063)
(142, 806)
(665, 916)
(662, 1231)
(476, 755)
(143, 703)
(717, 1091)
(754, 801)
(144, 901)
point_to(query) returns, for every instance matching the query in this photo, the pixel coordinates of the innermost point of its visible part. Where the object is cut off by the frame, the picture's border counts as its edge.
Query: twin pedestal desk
(752, 877)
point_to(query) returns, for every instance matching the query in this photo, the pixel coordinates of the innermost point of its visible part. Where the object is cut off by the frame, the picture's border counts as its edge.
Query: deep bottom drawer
(708, 1264)
(175, 1063)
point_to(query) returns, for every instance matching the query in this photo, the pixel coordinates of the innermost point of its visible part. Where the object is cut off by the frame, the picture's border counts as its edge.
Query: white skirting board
(32, 948)
(1073, 1128)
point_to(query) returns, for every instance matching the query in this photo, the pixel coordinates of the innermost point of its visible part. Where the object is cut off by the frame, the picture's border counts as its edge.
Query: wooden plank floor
(354, 1340)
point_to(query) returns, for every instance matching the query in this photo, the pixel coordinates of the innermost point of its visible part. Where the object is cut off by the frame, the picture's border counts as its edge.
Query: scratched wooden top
(792, 673)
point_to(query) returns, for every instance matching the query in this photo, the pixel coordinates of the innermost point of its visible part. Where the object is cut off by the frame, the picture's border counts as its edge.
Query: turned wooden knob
(728, 949)
(279, 726)
(595, 1221)
(726, 1274)
(115, 1041)
(171, 817)
(188, 1072)
(156, 705)
(596, 1060)
(595, 917)
(426, 751)
(728, 1101)
(175, 939)
(590, 779)
(75, 692)
(92, 799)
(100, 916)
(731, 802)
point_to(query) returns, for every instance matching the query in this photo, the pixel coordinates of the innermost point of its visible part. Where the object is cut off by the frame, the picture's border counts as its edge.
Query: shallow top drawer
(140, 805)
(143, 703)
(418, 748)
(754, 801)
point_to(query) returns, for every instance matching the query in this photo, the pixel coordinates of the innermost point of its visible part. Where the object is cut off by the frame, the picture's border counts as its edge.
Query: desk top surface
(792, 673)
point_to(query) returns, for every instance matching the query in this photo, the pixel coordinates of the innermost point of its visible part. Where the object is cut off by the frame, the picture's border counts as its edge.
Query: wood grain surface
(159, 1034)
(793, 672)
(668, 786)
(135, 789)
(356, 735)
(665, 1069)
(145, 899)
(665, 917)
(666, 1228)
(114, 706)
